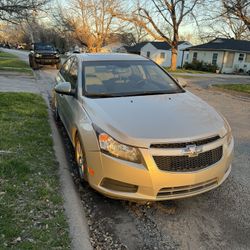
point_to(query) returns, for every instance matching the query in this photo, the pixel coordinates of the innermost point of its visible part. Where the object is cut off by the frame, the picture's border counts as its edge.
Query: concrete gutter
(77, 221)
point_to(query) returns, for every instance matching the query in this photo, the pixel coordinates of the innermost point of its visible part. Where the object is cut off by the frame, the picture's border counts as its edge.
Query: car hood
(142, 120)
(45, 52)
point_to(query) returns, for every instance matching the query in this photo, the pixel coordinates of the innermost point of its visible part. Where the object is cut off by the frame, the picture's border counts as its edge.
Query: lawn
(31, 205)
(186, 76)
(9, 62)
(6, 55)
(189, 71)
(235, 87)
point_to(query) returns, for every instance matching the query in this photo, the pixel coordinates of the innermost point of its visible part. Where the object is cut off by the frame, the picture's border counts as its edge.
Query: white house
(230, 56)
(160, 52)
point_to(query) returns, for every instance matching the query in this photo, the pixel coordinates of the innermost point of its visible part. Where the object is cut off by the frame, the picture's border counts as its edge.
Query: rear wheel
(80, 158)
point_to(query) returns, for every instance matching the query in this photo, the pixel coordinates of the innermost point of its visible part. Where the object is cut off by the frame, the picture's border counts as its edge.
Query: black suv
(44, 54)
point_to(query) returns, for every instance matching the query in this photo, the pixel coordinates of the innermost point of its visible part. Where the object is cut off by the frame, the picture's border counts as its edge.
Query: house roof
(224, 44)
(136, 48)
(158, 45)
(164, 45)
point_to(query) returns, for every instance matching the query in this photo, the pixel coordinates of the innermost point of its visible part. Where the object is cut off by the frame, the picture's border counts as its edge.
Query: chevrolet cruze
(137, 134)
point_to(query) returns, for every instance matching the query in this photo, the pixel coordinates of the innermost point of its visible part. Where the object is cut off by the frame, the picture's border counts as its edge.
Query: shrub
(197, 65)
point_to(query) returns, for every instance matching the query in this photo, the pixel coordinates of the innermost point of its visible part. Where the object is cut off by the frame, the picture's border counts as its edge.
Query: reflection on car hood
(143, 120)
(45, 52)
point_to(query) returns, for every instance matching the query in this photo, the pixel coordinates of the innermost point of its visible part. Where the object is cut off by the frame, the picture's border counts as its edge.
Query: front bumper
(47, 61)
(154, 184)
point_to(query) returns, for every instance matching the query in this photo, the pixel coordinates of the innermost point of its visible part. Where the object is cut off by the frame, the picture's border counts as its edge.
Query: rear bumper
(152, 183)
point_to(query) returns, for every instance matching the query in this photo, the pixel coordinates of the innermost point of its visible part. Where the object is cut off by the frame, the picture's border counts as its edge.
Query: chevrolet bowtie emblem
(192, 150)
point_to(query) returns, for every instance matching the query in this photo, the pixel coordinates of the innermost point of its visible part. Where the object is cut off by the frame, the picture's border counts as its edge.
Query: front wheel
(34, 64)
(56, 114)
(58, 65)
(81, 161)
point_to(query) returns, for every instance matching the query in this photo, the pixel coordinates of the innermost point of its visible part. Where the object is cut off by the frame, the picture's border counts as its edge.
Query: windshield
(46, 47)
(126, 78)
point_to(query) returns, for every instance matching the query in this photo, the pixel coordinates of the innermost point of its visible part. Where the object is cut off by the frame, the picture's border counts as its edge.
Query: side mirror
(64, 88)
(182, 82)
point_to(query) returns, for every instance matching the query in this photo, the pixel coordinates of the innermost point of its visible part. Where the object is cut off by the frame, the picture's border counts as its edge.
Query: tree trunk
(174, 57)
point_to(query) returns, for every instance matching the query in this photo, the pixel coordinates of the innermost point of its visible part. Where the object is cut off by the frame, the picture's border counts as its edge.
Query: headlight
(38, 55)
(112, 147)
(57, 55)
(228, 135)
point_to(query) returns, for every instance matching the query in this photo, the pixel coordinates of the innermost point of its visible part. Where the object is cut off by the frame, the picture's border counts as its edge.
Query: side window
(241, 57)
(65, 69)
(72, 76)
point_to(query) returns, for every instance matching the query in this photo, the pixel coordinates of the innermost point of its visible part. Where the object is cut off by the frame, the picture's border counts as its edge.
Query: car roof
(108, 57)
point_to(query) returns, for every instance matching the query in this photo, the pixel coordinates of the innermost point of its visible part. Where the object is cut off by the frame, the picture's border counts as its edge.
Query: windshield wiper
(102, 95)
(106, 95)
(152, 93)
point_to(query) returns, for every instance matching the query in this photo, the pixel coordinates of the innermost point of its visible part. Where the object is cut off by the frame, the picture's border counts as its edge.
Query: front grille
(189, 189)
(187, 164)
(184, 144)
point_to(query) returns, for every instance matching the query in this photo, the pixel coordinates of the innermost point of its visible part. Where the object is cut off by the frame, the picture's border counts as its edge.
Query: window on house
(247, 59)
(187, 55)
(195, 56)
(148, 54)
(241, 57)
(214, 59)
(162, 55)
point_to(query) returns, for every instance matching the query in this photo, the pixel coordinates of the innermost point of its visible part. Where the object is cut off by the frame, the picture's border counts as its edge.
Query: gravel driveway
(219, 219)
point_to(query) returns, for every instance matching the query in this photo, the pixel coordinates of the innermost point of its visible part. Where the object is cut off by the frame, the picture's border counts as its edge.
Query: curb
(78, 226)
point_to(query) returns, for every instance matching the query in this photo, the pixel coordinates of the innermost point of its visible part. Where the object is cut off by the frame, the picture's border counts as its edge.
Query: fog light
(118, 186)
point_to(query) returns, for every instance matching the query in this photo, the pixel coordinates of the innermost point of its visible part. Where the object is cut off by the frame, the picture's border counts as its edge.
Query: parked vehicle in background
(137, 134)
(20, 46)
(44, 54)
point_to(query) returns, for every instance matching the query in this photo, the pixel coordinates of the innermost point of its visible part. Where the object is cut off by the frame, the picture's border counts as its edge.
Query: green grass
(9, 62)
(6, 55)
(186, 71)
(235, 87)
(186, 76)
(31, 206)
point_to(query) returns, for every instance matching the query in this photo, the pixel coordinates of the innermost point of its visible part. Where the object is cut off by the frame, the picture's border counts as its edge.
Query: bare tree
(13, 10)
(162, 19)
(239, 9)
(219, 22)
(223, 26)
(90, 21)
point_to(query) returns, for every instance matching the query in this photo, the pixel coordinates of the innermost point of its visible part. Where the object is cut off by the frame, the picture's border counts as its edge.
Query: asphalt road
(219, 219)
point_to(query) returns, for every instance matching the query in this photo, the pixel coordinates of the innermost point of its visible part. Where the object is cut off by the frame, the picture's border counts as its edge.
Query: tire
(80, 158)
(58, 65)
(30, 62)
(56, 115)
(34, 64)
